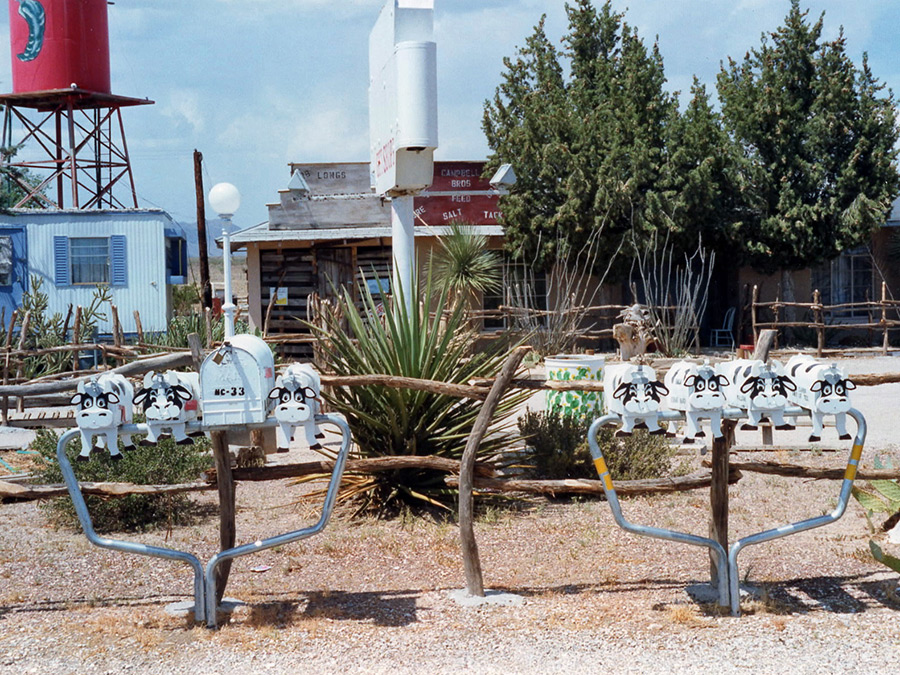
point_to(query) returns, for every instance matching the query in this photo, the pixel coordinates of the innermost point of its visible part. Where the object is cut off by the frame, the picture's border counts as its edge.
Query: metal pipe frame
(84, 517)
(726, 565)
(717, 550)
(280, 540)
(204, 582)
(803, 525)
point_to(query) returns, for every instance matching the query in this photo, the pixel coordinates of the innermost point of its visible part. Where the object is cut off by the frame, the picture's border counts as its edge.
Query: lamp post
(226, 200)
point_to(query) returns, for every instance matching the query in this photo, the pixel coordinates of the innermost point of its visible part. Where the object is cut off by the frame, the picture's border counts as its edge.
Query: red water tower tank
(59, 43)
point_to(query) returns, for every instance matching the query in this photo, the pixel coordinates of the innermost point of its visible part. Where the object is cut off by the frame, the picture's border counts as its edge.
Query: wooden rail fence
(880, 316)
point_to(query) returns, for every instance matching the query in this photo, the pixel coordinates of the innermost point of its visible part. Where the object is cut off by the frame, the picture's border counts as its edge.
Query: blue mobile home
(138, 253)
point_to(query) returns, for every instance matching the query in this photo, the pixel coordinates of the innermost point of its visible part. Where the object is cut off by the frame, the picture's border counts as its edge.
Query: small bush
(558, 448)
(163, 464)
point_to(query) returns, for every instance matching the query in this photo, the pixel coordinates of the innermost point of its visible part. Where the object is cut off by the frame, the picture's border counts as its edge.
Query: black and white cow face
(705, 389)
(96, 407)
(294, 401)
(640, 396)
(768, 390)
(162, 398)
(832, 391)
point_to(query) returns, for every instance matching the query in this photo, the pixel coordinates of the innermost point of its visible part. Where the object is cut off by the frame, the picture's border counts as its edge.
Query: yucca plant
(463, 265)
(428, 342)
(881, 496)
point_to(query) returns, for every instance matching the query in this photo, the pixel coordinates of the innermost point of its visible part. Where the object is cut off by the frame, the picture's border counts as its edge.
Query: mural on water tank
(33, 13)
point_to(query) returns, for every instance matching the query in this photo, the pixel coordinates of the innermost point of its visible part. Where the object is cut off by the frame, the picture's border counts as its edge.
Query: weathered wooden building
(329, 230)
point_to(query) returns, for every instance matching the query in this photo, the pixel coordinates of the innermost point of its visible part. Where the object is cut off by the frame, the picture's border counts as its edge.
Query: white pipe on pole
(403, 243)
(228, 306)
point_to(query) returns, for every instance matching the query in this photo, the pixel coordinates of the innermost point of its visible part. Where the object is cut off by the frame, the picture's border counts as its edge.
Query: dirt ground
(373, 596)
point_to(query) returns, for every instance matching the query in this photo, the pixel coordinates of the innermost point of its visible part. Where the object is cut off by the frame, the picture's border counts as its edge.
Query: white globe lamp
(225, 199)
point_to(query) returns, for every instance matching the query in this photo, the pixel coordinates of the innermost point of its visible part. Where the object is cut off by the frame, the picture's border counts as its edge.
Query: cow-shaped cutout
(697, 391)
(169, 400)
(822, 389)
(633, 393)
(296, 396)
(104, 403)
(759, 388)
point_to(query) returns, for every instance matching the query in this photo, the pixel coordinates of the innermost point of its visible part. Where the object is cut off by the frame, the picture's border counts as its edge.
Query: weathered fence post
(718, 493)
(819, 318)
(754, 299)
(138, 327)
(227, 529)
(6, 347)
(76, 338)
(885, 342)
(23, 335)
(471, 562)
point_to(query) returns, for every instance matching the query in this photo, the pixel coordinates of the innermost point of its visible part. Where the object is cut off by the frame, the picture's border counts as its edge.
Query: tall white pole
(404, 248)
(228, 306)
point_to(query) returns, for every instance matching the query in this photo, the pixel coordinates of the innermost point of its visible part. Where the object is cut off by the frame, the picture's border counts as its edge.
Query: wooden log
(799, 471)
(872, 379)
(225, 485)
(137, 367)
(30, 492)
(587, 486)
(468, 544)
(369, 465)
(460, 390)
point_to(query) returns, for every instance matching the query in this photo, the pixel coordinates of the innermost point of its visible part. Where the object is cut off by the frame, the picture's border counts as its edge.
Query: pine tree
(818, 137)
(587, 149)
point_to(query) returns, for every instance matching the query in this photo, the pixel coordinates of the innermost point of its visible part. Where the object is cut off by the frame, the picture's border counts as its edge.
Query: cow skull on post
(634, 395)
(822, 389)
(296, 396)
(697, 392)
(104, 403)
(169, 400)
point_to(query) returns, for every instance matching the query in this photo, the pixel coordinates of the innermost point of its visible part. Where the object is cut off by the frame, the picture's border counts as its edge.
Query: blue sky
(255, 84)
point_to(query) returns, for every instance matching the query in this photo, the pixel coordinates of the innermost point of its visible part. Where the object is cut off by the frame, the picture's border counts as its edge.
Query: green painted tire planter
(583, 404)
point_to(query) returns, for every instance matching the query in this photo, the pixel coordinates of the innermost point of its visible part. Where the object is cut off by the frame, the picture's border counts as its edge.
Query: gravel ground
(370, 596)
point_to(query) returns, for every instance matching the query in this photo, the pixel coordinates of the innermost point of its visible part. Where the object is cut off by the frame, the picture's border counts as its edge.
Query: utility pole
(205, 286)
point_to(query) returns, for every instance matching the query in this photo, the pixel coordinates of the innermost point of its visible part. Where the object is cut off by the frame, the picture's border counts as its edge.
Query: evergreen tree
(587, 150)
(818, 169)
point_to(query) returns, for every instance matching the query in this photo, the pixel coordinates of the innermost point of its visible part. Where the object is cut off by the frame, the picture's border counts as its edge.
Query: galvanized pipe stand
(727, 577)
(204, 580)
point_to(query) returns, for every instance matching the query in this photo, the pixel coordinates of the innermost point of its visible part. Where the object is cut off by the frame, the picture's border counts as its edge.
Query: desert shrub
(180, 327)
(558, 448)
(163, 464)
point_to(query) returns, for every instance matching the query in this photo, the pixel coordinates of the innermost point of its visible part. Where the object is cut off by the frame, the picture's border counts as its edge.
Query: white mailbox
(235, 381)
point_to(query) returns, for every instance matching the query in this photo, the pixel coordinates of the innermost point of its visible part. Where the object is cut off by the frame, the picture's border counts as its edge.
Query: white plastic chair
(722, 337)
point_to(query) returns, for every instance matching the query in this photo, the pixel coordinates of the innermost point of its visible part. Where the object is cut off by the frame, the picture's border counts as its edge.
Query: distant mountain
(213, 231)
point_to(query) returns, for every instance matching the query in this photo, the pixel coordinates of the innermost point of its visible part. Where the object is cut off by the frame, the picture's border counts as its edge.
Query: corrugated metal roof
(261, 233)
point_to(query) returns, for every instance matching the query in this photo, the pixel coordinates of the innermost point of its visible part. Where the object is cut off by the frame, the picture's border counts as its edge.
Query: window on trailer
(89, 260)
